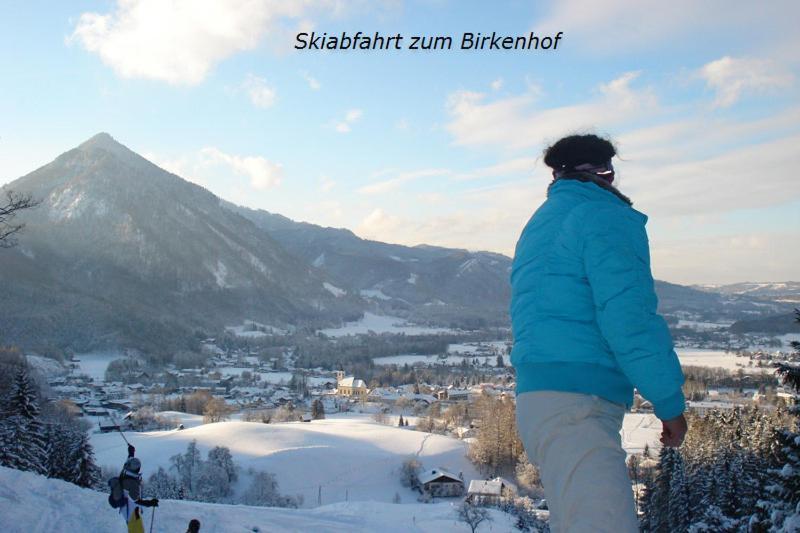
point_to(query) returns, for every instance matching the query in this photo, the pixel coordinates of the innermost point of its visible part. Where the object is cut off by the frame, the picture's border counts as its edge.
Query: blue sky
(433, 147)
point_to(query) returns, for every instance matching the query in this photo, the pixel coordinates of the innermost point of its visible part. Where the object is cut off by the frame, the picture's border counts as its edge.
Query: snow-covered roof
(436, 473)
(352, 382)
(492, 487)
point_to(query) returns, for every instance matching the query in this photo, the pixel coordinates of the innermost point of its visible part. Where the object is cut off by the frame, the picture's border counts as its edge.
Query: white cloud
(378, 223)
(313, 83)
(402, 178)
(326, 184)
(180, 41)
(497, 84)
(613, 26)
(747, 177)
(731, 77)
(515, 122)
(756, 256)
(350, 117)
(353, 114)
(260, 92)
(520, 165)
(262, 173)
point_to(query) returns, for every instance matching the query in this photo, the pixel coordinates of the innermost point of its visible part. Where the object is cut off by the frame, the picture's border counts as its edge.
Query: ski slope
(333, 460)
(35, 504)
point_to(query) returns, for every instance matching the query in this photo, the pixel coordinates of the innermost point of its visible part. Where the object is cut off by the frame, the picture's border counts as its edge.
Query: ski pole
(152, 520)
(119, 428)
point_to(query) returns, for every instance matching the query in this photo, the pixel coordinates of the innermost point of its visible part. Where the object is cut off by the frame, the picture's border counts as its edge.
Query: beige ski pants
(574, 440)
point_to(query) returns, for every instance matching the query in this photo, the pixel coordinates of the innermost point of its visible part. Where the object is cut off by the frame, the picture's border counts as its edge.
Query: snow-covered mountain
(787, 291)
(121, 251)
(429, 281)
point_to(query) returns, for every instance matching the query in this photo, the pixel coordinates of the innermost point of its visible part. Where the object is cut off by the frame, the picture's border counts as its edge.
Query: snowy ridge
(30, 503)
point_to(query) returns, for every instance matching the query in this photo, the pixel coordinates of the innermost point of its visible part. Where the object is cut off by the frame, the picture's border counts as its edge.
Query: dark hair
(194, 526)
(573, 150)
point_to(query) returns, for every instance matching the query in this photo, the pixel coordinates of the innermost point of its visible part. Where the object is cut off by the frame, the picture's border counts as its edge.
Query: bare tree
(216, 411)
(472, 515)
(14, 203)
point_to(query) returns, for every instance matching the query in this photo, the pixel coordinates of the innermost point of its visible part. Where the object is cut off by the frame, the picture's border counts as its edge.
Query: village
(114, 395)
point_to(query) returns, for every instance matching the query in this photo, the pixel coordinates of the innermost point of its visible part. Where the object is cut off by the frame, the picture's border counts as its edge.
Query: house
(108, 425)
(487, 492)
(703, 408)
(441, 483)
(350, 386)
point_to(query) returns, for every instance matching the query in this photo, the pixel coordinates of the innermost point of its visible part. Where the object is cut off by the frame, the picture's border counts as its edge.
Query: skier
(586, 332)
(131, 502)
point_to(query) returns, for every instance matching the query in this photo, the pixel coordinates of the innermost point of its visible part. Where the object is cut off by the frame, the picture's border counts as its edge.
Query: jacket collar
(588, 177)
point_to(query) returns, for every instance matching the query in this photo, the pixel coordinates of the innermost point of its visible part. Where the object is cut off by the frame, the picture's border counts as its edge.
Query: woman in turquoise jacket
(586, 332)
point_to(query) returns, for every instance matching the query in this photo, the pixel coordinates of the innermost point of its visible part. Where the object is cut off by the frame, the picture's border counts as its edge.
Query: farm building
(440, 483)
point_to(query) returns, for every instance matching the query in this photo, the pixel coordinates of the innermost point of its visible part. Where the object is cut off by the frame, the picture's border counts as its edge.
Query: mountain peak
(104, 141)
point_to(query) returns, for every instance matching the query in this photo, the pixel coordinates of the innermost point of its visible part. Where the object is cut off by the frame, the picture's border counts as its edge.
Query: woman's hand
(673, 431)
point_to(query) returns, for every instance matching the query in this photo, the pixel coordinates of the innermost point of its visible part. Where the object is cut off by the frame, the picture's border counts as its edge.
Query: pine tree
(317, 409)
(656, 501)
(85, 473)
(781, 512)
(679, 511)
(22, 433)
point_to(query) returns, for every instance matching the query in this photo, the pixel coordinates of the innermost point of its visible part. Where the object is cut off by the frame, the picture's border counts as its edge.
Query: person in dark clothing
(131, 481)
(194, 526)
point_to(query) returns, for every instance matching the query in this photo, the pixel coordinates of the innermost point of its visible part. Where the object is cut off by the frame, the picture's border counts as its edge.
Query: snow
(94, 364)
(266, 377)
(35, 504)
(333, 289)
(350, 457)
(716, 359)
(478, 347)
(319, 261)
(49, 368)
(242, 331)
(381, 324)
(220, 274)
(431, 360)
(187, 419)
(466, 266)
(374, 293)
(639, 429)
(412, 279)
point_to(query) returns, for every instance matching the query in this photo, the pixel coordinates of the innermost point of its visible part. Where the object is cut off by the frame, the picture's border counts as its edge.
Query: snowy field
(639, 429)
(687, 356)
(94, 364)
(36, 504)
(429, 360)
(381, 324)
(350, 457)
(716, 359)
(478, 347)
(275, 378)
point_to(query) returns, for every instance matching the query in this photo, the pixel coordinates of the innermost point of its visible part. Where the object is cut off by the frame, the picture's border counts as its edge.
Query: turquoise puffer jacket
(583, 305)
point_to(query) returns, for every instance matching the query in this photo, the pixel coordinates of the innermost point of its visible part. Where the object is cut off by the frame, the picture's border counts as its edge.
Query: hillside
(349, 458)
(34, 504)
(432, 282)
(122, 253)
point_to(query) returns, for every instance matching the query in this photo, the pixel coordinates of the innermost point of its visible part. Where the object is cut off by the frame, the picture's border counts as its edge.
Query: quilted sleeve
(617, 263)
